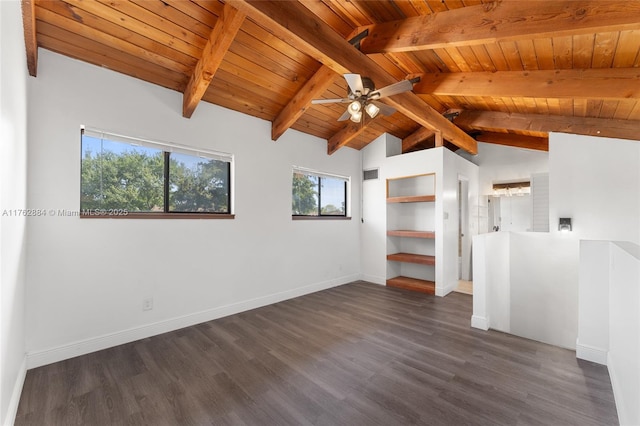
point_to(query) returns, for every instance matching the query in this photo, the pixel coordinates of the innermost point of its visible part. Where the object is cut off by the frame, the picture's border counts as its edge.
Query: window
(121, 174)
(317, 194)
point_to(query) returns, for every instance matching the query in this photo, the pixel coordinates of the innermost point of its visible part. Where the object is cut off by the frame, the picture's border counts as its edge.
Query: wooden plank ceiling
(505, 72)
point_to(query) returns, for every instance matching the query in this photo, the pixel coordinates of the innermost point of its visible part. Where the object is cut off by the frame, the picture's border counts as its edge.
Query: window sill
(158, 216)
(320, 218)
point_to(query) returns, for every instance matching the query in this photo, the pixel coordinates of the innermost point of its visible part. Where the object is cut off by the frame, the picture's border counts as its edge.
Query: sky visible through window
(93, 146)
(332, 193)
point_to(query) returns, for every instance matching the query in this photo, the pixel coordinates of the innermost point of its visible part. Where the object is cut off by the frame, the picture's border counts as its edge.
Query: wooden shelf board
(411, 199)
(414, 284)
(411, 233)
(420, 259)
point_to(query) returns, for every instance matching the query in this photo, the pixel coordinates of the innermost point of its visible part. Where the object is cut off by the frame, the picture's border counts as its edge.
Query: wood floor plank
(358, 354)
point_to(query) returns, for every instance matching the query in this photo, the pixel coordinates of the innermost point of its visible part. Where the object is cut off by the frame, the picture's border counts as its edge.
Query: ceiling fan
(362, 96)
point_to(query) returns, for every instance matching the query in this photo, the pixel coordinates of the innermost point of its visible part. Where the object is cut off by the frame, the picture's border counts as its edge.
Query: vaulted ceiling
(505, 72)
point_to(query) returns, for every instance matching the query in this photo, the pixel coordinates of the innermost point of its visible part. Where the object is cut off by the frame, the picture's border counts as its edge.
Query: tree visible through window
(318, 195)
(118, 175)
(197, 184)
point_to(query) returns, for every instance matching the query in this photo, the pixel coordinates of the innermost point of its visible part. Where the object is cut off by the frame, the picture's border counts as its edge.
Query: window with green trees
(318, 194)
(147, 178)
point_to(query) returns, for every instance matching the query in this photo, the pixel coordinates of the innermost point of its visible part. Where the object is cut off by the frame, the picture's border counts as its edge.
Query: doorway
(465, 284)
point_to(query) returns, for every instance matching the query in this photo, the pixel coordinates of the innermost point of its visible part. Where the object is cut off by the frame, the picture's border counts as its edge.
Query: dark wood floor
(359, 354)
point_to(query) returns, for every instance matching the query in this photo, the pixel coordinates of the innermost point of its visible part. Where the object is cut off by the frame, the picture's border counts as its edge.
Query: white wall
(373, 242)
(544, 287)
(596, 182)
(527, 284)
(593, 301)
(516, 213)
(500, 163)
(87, 278)
(447, 166)
(609, 318)
(13, 193)
(491, 282)
(624, 331)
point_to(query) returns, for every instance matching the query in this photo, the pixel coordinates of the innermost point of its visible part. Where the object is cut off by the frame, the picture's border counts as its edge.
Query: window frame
(320, 175)
(166, 149)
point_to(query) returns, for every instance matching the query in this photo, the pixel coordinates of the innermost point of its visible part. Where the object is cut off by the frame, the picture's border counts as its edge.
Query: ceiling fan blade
(330, 101)
(392, 89)
(345, 116)
(384, 108)
(355, 82)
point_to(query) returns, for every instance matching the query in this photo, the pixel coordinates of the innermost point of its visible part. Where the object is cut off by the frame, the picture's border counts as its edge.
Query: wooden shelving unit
(414, 284)
(420, 259)
(411, 199)
(411, 234)
(411, 189)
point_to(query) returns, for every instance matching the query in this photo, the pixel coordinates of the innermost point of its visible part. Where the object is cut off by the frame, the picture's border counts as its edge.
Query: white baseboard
(479, 322)
(82, 347)
(443, 290)
(374, 279)
(12, 409)
(591, 353)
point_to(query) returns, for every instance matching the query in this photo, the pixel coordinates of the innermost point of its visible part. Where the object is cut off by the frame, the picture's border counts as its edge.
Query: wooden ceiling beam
(313, 88)
(499, 21)
(518, 141)
(344, 136)
(596, 83)
(415, 138)
(295, 24)
(413, 107)
(30, 39)
(491, 120)
(222, 35)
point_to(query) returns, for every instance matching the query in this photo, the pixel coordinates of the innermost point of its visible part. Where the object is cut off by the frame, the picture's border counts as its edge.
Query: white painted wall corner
(374, 279)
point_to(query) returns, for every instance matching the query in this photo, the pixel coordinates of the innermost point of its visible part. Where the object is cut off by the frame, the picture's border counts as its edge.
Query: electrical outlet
(147, 304)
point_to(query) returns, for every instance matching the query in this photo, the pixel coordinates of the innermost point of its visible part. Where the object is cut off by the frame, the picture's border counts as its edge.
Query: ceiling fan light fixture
(361, 97)
(372, 110)
(355, 107)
